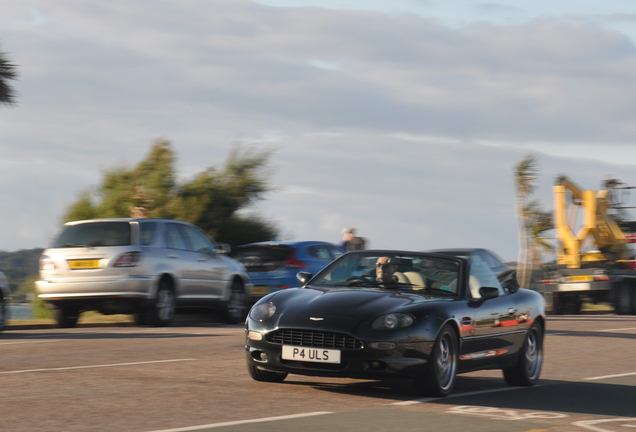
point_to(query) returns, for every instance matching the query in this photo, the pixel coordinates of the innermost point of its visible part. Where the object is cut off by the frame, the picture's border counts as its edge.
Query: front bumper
(405, 359)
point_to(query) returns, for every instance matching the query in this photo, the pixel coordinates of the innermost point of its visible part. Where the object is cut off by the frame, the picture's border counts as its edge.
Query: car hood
(342, 309)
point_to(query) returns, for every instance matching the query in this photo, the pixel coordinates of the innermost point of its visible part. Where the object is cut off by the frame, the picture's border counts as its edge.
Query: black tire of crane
(623, 303)
(558, 303)
(573, 304)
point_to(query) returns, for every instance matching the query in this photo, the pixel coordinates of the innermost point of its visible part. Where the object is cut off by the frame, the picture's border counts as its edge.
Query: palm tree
(525, 175)
(539, 222)
(7, 72)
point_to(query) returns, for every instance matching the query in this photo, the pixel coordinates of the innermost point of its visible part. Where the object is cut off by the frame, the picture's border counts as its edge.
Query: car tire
(439, 378)
(265, 376)
(623, 302)
(236, 306)
(528, 367)
(3, 312)
(66, 316)
(164, 305)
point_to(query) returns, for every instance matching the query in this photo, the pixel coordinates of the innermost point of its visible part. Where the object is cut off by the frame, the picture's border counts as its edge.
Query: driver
(384, 270)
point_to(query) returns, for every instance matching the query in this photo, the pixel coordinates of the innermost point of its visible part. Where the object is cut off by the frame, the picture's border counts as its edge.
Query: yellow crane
(598, 229)
(592, 250)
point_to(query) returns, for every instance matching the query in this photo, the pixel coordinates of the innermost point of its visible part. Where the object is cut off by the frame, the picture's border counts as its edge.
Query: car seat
(415, 279)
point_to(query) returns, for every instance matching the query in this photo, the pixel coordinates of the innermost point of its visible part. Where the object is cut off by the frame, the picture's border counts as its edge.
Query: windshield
(263, 257)
(95, 234)
(405, 271)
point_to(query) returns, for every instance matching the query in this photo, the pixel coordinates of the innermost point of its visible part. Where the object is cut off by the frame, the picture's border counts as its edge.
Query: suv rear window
(95, 234)
(262, 258)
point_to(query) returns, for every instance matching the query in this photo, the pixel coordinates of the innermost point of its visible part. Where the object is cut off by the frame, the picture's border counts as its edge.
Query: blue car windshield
(391, 270)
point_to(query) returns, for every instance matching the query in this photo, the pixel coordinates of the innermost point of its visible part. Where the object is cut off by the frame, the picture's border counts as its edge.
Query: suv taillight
(292, 262)
(46, 263)
(128, 259)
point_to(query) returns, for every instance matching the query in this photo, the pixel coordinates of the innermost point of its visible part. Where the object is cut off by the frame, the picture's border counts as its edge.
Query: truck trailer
(595, 260)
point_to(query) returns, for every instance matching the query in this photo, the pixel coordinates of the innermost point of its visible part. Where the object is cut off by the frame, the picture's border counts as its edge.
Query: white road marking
(27, 342)
(424, 400)
(93, 366)
(610, 376)
(503, 414)
(241, 422)
(593, 331)
(591, 318)
(160, 333)
(613, 330)
(590, 424)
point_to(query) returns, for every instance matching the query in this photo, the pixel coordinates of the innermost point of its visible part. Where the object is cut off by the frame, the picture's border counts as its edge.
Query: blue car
(273, 265)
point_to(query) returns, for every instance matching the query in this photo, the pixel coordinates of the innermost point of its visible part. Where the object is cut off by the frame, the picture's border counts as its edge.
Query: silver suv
(144, 267)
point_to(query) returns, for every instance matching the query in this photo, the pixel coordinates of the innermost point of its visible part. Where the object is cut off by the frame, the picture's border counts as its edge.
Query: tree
(215, 196)
(7, 72)
(211, 200)
(525, 173)
(539, 222)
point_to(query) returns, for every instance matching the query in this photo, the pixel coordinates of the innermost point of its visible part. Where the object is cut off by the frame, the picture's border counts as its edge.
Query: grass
(84, 318)
(93, 317)
(600, 307)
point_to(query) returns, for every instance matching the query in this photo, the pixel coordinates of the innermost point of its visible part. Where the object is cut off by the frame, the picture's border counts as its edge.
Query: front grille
(315, 339)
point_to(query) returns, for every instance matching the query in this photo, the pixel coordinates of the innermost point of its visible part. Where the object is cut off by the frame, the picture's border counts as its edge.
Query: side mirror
(304, 277)
(486, 293)
(224, 248)
(508, 280)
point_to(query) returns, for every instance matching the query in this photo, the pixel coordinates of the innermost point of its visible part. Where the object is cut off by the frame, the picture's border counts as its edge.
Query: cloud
(376, 118)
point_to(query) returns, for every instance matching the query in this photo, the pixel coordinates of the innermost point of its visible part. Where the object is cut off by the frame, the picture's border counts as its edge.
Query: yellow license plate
(260, 290)
(582, 278)
(83, 264)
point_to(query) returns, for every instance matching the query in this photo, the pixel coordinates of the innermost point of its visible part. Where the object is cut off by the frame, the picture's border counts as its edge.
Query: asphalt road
(193, 377)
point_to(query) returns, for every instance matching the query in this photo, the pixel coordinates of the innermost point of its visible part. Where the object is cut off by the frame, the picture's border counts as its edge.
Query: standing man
(350, 241)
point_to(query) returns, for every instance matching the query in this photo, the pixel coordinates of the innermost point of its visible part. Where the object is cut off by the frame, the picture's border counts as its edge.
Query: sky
(401, 118)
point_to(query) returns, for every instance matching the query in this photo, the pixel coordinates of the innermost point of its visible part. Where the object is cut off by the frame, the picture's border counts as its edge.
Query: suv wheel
(236, 308)
(164, 305)
(66, 316)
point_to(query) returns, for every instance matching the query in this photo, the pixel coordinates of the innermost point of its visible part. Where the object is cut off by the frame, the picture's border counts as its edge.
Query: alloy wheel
(533, 355)
(446, 362)
(165, 305)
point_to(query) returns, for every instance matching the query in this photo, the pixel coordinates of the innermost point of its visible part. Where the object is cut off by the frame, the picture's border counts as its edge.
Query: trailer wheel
(623, 303)
(558, 303)
(573, 304)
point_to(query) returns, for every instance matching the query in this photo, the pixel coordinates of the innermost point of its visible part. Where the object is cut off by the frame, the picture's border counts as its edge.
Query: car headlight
(393, 321)
(262, 311)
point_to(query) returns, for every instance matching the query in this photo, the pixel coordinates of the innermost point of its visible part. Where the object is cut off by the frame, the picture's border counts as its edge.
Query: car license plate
(318, 355)
(582, 278)
(260, 290)
(574, 287)
(83, 264)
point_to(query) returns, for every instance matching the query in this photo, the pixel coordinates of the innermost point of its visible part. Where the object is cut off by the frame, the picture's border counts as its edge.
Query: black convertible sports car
(394, 314)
